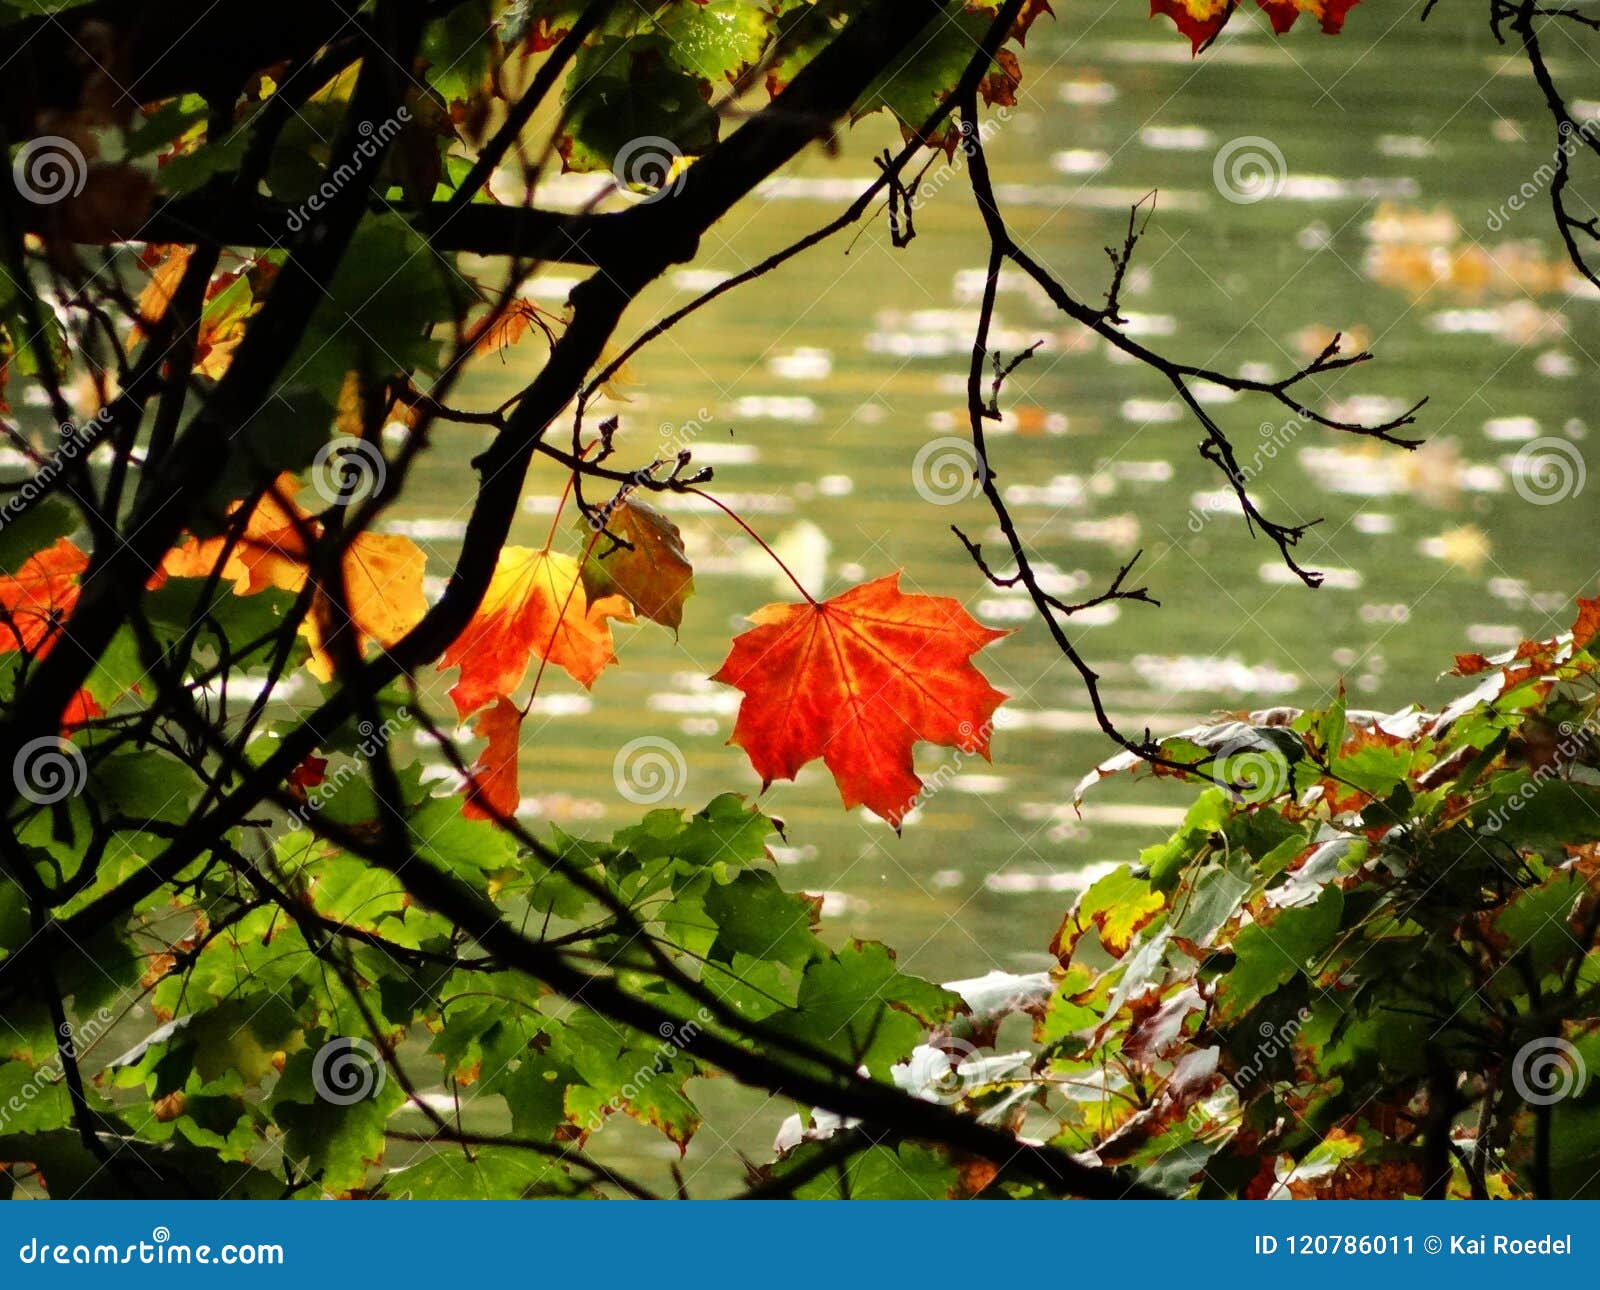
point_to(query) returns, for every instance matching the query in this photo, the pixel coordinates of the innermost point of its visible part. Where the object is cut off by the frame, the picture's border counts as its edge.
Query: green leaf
(919, 79)
(32, 1098)
(248, 624)
(15, 927)
(488, 1173)
(717, 39)
(1268, 953)
(907, 1172)
(628, 101)
(1535, 922)
(468, 848)
(858, 1006)
(336, 1141)
(1551, 814)
(286, 431)
(536, 1092)
(1067, 1014)
(1218, 893)
(31, 529)
(389, 293)
(1575, 1146)
(728, 832)
(1117, 906)
(1376, 768)
(1331, 727)
(642, 1076)
(755, 916)
(145, 785)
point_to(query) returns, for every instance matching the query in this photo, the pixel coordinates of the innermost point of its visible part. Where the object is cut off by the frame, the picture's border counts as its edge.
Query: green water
(821, 383)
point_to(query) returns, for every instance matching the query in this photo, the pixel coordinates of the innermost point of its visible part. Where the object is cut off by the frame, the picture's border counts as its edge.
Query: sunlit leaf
(857, 680)
(536, 607)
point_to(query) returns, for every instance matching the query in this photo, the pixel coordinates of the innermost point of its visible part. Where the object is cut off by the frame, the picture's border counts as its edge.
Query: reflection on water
(813, 392)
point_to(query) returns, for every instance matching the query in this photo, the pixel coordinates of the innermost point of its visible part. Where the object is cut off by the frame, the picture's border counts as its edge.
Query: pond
(815, 391)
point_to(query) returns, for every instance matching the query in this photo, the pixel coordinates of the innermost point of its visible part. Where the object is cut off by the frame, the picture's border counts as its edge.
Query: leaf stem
(572, 479)
(757, 539)
(561, 618)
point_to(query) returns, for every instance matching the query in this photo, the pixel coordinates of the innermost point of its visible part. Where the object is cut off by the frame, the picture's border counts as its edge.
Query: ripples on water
(812, 392)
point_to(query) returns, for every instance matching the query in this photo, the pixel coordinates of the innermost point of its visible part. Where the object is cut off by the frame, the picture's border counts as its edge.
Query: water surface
(813, 391)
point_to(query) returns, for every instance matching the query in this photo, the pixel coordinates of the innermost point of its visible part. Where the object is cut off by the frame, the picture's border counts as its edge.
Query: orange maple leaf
(1587, 625)
(383, 572)
(857, 680)
(39, 597)
(1031, 12)
(383, 575)
(35, 602)
(82, 708)
(497, 330)
(220, 331)
(264, 554)
(492, 791)
(535, 605)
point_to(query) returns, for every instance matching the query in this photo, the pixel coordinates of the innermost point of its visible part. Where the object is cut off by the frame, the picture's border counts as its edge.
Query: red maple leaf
(383, 572)
(535, 607)
(857, 680)
(309, 773)
(39, 597)
(82, 708)
(1587, 625)
(1201, 20)
(492, 791)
